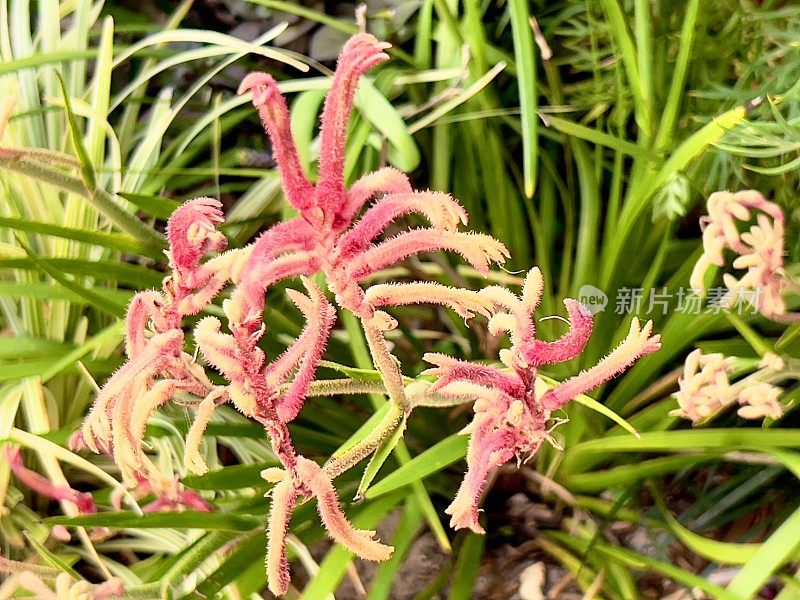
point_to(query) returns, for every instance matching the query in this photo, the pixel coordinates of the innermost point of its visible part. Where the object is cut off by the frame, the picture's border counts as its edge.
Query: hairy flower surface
(759, 249)
(511, 411)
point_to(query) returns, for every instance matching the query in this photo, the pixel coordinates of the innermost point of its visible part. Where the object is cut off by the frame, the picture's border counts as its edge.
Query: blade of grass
(525, 58)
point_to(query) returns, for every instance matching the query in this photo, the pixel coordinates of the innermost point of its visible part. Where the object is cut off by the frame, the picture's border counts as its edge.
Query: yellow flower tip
(273, 475)
(383, 321)
(463, 514)
(532, 290)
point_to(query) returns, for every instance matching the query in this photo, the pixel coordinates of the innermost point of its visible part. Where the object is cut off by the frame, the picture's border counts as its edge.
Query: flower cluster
(335, 235)
(759, 249)
(705, 388)
(512, 407)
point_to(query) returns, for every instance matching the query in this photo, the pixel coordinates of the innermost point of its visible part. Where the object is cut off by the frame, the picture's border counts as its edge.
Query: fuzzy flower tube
(339, 234)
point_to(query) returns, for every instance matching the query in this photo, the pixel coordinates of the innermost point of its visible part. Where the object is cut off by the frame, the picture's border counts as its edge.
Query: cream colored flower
(760, 400)
(704, 387)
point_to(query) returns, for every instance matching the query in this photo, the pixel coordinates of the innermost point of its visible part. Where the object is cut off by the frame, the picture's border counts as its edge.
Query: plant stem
(100, 199)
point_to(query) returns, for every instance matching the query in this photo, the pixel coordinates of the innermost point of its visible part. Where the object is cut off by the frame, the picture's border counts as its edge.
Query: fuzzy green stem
(367, 445)
(100, 199)
(387, 365)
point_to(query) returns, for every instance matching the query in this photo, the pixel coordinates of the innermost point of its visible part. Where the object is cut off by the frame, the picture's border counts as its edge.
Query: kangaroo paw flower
(477, 249)
(383, 181)
(305, 353)
(359, 542)
(360, 53)
(284, 498)
(83, 501)
(465, 302)
(275, 117)
(760, 250)
(192, 233)
(511, 414)
(440, 209)
(637, 344)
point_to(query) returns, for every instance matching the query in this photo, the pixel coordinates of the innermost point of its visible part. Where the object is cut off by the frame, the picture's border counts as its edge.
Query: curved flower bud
(485, 454)
(465, 302)
(361, 52)
(387, 180)
(274, 114)
(284, 498)
(637, 344)
(440, 209)
(82, 500)
(192, 233)
(537, 353)
(449, 370)
(144, 307)
(477, 249)
(305, 353)
(359, 542)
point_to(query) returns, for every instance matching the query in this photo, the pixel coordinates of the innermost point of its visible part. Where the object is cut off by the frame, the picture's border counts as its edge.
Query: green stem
(748, 333)
(367, 445)
(100, 199)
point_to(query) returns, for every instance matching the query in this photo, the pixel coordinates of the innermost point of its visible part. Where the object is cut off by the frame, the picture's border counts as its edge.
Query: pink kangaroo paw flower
(386, 180)
(637, 344)
(192, 459)
(211, 277)
(361, 52)
(440, 209)
(465, 302)
(487, 451)
(289, 236)
(359, 542)
(532, 290)
(192, 233)
(144, 307)
(274, 115)
(220, 349)
(146, 404)
(246, 303)
(44, 487)
(284, 498)
(477, 249)
(320, 316)
(449, 370)
(241, 366)
(569, 346)
(155, 357)
(125, 449)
